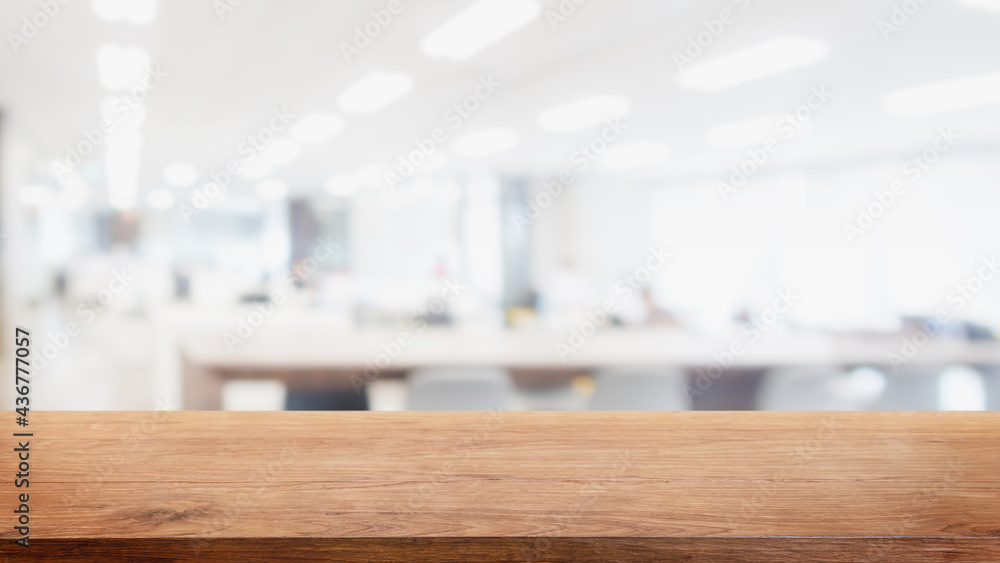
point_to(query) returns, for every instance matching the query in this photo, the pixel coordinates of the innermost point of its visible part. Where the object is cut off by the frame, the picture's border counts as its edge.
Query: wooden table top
(509, 486)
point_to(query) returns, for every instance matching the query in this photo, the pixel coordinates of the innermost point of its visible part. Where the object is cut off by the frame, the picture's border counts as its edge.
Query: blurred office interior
(518, 204)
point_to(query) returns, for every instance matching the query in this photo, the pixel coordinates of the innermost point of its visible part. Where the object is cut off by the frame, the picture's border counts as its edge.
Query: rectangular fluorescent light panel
(766, 59)
(317, 128)
(375, 91)
(988, 5)
(583, 113)
(942, 97)
(479, 26)
(121, 68)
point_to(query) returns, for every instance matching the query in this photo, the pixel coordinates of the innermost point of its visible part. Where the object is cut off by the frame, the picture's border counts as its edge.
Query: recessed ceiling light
(485, 143)
(112, 108)
(635, 154)
(954, 95)
(342, 185)
(375, 91)
(480, 25)
(121, 68)
(283, 151)
(180, 174)
(161, 199)
(583, 113)
(988, 5)
(317, 128)
(135, 11)
(272, 189)
(766, 59)
(741, 134)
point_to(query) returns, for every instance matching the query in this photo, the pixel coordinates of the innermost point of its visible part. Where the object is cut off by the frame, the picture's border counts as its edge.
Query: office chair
(929, 389)
(991, 379)
(458, 389)
(639, 390)
(820, 389)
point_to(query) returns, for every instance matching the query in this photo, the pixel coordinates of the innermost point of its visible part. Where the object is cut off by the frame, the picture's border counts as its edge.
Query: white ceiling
(226, 77)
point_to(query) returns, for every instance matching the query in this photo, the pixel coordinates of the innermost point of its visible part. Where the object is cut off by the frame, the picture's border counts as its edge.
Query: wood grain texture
(690, 486)
(514, 550)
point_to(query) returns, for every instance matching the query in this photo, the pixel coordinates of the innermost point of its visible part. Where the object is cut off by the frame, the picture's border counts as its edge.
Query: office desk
(314, 354)
(469, 487)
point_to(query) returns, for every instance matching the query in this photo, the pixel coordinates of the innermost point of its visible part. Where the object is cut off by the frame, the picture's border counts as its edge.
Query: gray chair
(820, 389)
(911, 390)
(563, 397)
(458, 389)
(953, 388)
(639, 390)
(991, 377)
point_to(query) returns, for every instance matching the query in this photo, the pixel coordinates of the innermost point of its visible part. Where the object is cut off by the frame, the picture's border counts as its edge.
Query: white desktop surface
(308, 339)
